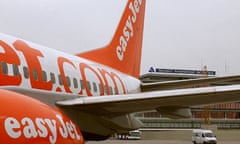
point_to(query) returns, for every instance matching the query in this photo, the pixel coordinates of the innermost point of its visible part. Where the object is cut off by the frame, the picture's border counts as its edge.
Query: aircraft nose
(26, 120)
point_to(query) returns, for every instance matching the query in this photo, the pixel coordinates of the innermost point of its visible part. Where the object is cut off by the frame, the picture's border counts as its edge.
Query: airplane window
(4, 68)
(35, 74)
(60, 80)
(15, 70)
(44, 76)
(89, 85)
(75, 83)
(81, 83)
(25, 72)
(100, 88)
(115, 90)
(94, 87)
(111, 90)
(52, 77)
(105, 89)
(68, 81)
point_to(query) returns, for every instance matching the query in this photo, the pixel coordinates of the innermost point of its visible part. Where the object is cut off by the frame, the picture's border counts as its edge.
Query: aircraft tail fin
(124, 51)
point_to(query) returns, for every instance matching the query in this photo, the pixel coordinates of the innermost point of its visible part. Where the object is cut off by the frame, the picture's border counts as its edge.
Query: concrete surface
(185, 135)
(153, 142)
(175, 137)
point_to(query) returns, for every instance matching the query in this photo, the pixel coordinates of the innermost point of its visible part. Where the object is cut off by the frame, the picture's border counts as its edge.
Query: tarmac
(174, 137)
(153, 142)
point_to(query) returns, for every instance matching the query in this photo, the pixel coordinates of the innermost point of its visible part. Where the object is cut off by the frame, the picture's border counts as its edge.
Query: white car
(200, 136)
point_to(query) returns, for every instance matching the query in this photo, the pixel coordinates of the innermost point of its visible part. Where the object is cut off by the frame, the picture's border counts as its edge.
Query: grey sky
(178, 33)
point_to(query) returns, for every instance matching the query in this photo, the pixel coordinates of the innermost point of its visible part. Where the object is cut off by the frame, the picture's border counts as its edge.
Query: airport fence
(187, 123)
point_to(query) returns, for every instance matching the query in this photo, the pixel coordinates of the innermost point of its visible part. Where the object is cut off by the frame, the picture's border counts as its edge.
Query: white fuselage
(50, 75)
(32, 66)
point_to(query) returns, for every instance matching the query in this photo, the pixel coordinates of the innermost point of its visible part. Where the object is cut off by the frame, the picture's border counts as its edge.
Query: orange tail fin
(124, 51)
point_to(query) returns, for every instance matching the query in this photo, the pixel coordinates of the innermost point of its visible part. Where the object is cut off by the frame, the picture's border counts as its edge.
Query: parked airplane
(49, 96)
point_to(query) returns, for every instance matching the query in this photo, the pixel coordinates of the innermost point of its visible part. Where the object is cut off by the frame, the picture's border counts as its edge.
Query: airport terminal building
(227, 111)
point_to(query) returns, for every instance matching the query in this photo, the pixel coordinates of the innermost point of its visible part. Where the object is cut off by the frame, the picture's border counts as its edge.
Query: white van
(200, 136)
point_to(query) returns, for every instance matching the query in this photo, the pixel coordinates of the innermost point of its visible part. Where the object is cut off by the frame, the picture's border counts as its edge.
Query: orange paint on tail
(124, 52)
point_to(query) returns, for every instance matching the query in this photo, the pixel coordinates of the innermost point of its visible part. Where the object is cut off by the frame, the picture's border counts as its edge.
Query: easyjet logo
(128, 32)
(41, 128)
(26, 63)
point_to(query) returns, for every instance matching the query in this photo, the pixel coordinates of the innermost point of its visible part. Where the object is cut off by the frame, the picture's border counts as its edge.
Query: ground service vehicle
(131, 135)
(203, 137)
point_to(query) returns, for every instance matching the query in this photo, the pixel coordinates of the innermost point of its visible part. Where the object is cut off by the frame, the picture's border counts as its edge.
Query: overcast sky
(178, 33)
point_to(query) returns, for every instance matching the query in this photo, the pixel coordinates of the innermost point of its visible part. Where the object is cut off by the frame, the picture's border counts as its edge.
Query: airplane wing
(174, 102)
(199, 82)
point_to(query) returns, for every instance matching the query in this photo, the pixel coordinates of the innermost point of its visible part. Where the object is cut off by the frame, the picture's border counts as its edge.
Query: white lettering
(39, 127)
(140, 2)
(53, 128)
(75, 130)
(42, 130)
(11, 125)
(128, 29)
(136, 6)
(129, 25)
(126, 33)
(134, 17)
(119, 53)
(123, 43)
(70, 130)
(63, 129)
(29, 128)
